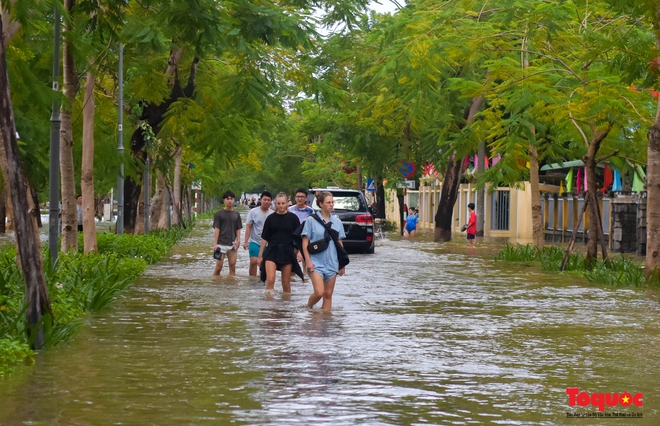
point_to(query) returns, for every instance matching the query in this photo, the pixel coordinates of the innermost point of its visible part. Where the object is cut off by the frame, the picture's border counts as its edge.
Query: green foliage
(616, 272)
(150, 247)
(93, 281)
(518, 253)
(12, 352)
(79, 284)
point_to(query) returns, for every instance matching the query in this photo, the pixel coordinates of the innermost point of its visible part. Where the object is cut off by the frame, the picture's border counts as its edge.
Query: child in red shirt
(472, 225)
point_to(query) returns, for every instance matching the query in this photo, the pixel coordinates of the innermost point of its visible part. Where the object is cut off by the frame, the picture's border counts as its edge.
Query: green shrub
(518, 253)
(13, 352)
(149, 247)
(618, 272)
(94, 280)
(79, 283)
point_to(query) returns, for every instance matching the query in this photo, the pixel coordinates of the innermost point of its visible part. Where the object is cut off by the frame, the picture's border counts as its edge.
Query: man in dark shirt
(227, 233)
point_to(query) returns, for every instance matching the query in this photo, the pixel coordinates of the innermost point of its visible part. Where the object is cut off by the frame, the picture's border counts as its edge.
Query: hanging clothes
(638, 179)
(607, 179)
(496, 159)
(616, 181)
(569, 181)
(578, 181)
(561, 187)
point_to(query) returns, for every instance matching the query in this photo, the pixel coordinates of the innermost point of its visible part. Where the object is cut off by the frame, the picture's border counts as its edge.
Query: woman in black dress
(277, 252)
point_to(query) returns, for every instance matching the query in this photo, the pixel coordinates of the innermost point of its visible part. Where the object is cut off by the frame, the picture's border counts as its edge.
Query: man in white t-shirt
(253, 228)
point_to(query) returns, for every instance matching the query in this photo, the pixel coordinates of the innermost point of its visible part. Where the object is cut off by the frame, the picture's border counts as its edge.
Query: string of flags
(611, 180)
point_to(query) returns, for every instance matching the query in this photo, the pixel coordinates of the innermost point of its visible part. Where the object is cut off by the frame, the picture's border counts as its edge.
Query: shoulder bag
(318, 246)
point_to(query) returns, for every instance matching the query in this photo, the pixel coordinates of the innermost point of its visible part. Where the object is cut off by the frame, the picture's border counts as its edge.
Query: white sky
(385, 6)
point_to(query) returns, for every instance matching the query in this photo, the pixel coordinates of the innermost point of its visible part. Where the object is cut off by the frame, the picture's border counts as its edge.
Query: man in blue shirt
(301, 209)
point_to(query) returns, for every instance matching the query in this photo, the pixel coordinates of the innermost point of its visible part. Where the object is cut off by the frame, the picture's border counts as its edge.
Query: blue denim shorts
(326, 275)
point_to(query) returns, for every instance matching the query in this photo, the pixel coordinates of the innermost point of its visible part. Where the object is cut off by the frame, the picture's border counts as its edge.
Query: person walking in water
(411, 223)
(303, 211)
(227, 233)
(277, 251)
(254, 226)
(323, 266)
(472, 225)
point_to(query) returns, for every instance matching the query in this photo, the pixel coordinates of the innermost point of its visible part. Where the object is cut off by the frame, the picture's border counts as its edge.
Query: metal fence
(500, 210)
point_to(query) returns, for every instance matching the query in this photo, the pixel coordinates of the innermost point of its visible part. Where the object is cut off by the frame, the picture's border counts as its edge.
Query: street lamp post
(120, 146)
(55, 126)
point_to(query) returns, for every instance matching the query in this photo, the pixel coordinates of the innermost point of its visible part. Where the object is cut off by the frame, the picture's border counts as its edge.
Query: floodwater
(420, 333)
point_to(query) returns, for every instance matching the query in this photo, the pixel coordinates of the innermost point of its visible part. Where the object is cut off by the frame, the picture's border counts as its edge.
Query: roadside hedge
(80, 283)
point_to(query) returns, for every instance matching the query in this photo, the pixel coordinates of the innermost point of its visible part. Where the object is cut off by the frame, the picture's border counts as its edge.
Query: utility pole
(55, 126)
(120, 146)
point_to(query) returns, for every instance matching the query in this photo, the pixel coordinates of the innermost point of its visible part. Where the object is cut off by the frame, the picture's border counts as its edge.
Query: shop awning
(563, 165)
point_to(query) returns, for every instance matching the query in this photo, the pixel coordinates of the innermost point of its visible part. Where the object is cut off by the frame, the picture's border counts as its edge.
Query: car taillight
(364, 218)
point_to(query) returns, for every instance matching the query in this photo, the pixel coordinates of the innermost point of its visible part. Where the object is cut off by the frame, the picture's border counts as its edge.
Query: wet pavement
(420, 333)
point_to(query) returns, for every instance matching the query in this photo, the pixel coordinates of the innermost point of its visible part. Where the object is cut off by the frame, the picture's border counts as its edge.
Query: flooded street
(420, 333)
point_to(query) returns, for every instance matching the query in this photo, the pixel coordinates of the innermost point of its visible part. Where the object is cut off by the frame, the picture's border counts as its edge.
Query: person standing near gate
(472, 225)
(227, 233)
(254, 226)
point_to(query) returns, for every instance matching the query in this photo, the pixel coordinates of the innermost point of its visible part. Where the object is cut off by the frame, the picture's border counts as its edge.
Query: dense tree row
(245, 95)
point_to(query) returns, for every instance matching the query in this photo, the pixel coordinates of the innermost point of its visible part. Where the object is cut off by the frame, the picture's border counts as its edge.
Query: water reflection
(419, 333)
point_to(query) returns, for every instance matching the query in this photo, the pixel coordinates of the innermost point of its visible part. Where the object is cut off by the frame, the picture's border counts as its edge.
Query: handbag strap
(326, 225)
(328, 228)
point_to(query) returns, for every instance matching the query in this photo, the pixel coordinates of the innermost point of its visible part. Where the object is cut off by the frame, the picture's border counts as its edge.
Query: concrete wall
(624, 225)
(641, 225)
(520, 221)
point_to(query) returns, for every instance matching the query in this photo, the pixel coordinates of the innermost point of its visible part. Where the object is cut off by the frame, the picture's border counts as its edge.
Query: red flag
(608, 179)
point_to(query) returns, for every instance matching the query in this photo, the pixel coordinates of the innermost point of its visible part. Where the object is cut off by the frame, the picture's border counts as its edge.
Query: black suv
(351, 208)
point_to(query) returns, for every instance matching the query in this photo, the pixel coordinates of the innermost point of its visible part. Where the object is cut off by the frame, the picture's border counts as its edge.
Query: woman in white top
(323, 267)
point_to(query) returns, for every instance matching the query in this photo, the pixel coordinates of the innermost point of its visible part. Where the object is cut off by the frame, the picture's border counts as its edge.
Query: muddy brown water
(420, 333)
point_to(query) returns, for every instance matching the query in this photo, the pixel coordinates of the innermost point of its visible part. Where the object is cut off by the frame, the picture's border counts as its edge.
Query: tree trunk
(157, 216)
(653, 180)
(593, 210)
(71, 85)
(176, 186)
(653, 198)
(139, 218)
(10, 27)
(189, 206)
(402, 222)
(33, 202)
(537, 218)
(481, 192)
(153, 115)
(3, 209)
(358, 183)
(27, 235)
(380, 198)
(10, 210)
(449, 193)
(87, 172)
